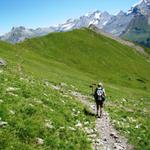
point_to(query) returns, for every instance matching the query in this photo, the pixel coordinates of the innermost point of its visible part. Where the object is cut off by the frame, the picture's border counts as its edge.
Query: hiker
(99, 96)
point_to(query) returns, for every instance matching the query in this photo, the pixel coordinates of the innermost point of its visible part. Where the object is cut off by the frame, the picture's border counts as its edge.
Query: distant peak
(70, 20)
(141, 2)
(120, 13)
(18, 28)
(88, 14)
(142, 7)
(92, 13)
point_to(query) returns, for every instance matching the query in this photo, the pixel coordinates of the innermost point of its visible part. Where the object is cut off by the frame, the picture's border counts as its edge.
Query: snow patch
(105, 23)
(95, 22)
(138, 3)
(88, 14)
(66, 27)
(97, 15)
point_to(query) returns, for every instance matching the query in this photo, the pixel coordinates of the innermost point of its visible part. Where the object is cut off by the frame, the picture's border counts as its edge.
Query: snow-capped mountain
(118, 23)
(115, 24)
(138, 29)
(97, 18)
(143, 7)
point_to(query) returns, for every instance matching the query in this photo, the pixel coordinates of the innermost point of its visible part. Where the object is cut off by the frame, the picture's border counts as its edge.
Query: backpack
(100, 94)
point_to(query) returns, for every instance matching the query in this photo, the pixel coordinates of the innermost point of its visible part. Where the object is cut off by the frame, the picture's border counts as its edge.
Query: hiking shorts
(98, 102)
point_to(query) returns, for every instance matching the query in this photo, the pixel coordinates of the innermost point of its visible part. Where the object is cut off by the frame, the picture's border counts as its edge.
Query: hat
(100, 84)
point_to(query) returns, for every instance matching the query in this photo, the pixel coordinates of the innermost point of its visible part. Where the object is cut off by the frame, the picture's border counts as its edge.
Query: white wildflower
(11, 89)
(86, 123)
(72, 129)
(45, 94)
(137, 126)
(73, 110)
(63, 84)
(48, 124)
(78, 112)
(39, 102)
(51, 109)
(92, 135)
(12, 94)
(63, 101)
(1, 71)
(124, 100)
(12, 112)
(79, 125)
(62, 128)
(1, 101)
(39, 141)
(31, 105)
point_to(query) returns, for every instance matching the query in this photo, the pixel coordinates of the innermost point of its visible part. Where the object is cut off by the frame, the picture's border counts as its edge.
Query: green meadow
(78, 58)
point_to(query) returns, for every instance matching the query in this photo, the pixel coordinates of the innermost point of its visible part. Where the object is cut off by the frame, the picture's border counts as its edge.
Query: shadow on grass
(87, 112)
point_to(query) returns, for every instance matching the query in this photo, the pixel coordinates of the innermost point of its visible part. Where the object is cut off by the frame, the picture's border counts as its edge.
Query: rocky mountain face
(18, 34)
(138, 29)
(97, 18)
(118, 25)
(143, 7)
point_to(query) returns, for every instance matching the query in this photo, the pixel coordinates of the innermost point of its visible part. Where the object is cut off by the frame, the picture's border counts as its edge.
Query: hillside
(79, 58)
(85, 51)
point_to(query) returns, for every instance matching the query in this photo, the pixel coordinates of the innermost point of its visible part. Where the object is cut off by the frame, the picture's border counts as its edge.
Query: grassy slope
(80, 57)
(85, 51)
(147, 50)
(34, 110)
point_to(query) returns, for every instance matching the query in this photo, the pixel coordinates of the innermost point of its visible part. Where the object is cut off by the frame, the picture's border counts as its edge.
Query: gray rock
(3, 124)
(114, 135)
(2, 62)
(118, 147)
(105, 139)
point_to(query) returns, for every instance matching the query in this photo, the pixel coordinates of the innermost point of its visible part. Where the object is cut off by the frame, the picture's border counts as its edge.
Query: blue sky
(43, 13)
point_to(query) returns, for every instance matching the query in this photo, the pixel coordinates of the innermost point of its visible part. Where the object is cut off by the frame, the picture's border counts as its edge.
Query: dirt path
(108, 138)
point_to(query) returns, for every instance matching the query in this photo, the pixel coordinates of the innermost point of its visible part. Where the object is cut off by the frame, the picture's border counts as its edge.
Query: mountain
(21, 33)
(118, 23)
(97, 18)
(138, 29)
(143, 7)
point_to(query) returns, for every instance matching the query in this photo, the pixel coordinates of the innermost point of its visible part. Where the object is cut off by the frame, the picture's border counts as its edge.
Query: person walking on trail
(99, 96)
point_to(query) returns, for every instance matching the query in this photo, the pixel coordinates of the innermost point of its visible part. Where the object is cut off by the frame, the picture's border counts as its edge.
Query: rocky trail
(107, 137)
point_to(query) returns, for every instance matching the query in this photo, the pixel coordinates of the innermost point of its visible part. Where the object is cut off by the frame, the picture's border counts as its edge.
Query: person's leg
(101, 109)
(97, 108)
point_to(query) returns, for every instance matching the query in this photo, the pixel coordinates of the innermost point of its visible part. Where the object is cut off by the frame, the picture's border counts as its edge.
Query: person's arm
(104, 92)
